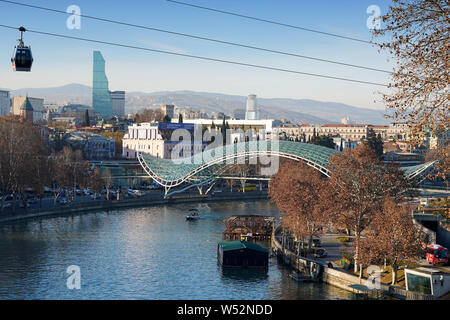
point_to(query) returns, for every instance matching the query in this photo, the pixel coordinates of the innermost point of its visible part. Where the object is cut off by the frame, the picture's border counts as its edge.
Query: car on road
(9, 197)
(63, 201)
(320, 253)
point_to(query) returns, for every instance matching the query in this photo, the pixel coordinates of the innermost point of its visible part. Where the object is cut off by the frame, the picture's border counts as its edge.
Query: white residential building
(149, 138)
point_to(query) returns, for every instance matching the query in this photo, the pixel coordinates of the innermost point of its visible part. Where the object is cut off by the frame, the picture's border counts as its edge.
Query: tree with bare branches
(149, 115)
(359, 182)
(69, 171)
(23, 158)
(417, 34)
(300, 192)
(108, 181)
(96, 182)
(392, 237)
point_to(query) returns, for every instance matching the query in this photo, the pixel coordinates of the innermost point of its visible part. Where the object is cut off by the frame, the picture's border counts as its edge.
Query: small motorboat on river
(193, 215)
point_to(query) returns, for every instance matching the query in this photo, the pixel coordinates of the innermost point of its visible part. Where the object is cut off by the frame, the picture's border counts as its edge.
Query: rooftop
(238, 245)
(26, 105)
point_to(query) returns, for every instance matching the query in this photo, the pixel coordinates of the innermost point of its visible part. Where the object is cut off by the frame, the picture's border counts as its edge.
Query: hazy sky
(62, 61)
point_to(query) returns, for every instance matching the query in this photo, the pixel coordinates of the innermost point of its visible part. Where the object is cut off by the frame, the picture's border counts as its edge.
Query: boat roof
(238, 245)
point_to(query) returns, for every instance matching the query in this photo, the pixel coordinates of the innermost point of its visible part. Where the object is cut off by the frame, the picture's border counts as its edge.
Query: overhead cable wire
(271, 22)
(198, 57)
(200, 37)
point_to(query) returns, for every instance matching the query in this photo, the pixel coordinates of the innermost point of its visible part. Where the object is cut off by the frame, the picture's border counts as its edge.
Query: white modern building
(252, 111)
(5, 103)
(431, 281)
(39, 111)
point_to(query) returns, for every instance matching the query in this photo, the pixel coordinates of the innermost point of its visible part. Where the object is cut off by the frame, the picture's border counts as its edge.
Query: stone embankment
(322, 271)
(88, 207)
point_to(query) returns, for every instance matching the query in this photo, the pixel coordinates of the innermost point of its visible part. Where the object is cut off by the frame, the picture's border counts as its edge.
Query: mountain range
(295, 110)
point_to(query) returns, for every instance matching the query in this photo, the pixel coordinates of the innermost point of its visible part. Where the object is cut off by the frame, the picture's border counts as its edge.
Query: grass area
(386, 276)
(344, 240)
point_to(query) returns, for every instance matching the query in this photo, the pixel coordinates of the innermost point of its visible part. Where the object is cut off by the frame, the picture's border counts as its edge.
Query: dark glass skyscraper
(101, 99)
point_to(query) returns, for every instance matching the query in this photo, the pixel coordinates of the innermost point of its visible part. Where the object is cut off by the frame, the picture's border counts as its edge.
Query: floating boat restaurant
(242, 254)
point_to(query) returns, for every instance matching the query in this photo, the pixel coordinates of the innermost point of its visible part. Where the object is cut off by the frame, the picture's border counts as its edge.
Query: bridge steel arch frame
(190, 172)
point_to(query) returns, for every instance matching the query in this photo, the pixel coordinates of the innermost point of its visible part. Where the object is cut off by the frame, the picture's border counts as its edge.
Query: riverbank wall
(79, 208)
(322, 271)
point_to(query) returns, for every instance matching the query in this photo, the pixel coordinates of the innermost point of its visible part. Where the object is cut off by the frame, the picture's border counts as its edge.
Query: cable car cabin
(22, 59)
(437, 254)
(242, 254)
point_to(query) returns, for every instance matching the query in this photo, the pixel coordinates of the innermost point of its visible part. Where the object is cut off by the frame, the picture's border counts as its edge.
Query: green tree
(87, 122)
(325, 141)
(166, 118)
(374, 142)
(180, 118)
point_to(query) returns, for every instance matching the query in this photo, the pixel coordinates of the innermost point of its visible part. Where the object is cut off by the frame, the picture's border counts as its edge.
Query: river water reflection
(145, 253)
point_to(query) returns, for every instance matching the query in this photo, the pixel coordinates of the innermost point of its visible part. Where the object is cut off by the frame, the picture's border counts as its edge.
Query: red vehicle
(437, 254)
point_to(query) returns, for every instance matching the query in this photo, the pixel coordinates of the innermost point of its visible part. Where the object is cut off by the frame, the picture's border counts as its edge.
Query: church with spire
(26, 110)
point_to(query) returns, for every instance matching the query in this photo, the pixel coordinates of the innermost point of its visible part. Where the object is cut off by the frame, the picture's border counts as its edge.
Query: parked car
(316, 242)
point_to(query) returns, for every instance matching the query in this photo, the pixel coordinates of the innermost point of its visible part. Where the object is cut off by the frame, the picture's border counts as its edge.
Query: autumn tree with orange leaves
(359, 183)
(392, 237)
(300, 192)
(416, 33)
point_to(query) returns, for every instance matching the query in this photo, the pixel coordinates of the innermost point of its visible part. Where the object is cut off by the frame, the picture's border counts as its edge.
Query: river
(144, 253)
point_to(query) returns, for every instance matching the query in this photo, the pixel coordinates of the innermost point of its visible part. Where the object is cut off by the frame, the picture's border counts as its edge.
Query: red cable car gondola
(22, 59)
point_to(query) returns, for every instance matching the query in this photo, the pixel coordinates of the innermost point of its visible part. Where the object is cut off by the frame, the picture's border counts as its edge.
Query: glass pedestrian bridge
(211, 163)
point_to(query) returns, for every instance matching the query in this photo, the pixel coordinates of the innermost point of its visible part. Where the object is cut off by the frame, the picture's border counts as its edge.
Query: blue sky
(62, 61)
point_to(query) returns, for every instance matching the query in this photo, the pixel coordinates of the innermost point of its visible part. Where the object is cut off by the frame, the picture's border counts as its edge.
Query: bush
(347, 256)
(344, 239)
